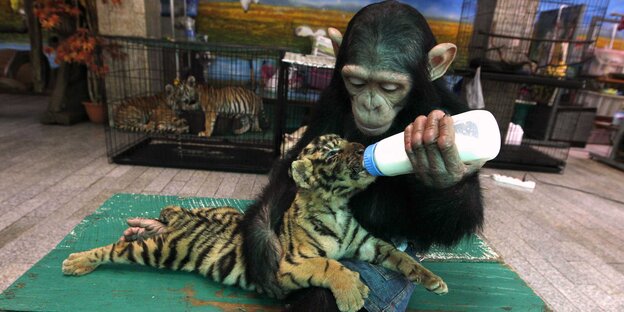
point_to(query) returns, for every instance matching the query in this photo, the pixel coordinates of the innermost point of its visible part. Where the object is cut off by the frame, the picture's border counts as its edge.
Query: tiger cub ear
(169, 89)
(301, 172)
(190, 81)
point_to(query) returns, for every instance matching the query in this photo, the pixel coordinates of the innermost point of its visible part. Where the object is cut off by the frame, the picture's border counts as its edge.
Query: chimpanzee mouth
(371, 130)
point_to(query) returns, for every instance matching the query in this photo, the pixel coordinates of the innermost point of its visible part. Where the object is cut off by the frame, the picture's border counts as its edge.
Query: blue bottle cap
(369, 161)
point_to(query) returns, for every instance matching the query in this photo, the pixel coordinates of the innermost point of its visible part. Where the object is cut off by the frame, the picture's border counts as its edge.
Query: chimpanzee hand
(142, 228)
(430, 146)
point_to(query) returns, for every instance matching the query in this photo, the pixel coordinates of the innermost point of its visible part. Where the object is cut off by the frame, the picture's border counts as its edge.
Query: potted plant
(95, 108)
(80, 51)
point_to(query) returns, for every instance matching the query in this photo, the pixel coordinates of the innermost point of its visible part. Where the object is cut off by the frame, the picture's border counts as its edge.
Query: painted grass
(603, 42)
(268, 25)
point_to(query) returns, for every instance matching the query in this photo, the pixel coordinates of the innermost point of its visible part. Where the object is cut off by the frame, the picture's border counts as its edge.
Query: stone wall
(135, 18)
(138, 72)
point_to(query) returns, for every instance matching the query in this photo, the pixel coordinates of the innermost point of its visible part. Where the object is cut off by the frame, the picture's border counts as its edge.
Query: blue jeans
(389, 290)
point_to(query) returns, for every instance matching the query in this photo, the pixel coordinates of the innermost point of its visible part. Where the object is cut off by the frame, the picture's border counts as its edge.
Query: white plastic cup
(476, 135)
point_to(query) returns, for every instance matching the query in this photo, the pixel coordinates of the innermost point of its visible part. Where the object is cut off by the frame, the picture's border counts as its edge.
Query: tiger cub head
(183, 95)
(332, 165)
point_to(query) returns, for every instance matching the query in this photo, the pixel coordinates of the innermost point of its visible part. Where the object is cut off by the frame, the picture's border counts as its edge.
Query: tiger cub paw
(79, 264)
(350, 293)
(420, 275)
(435, 284)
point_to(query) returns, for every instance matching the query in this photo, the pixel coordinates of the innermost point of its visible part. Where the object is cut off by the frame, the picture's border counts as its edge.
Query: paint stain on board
(190, 293)
(250, 295)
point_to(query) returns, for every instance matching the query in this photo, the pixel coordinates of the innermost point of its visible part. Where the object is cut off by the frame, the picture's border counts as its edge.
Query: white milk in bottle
(476, 135)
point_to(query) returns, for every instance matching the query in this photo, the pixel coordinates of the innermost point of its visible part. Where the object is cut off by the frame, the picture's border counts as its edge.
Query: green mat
(477, 280)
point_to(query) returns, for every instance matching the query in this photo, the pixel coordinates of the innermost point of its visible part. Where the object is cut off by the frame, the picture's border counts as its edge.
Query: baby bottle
(476, 135)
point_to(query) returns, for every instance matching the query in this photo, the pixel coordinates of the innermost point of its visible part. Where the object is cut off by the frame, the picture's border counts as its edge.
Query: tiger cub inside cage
(318, 228)
(240, 104)
(152, 113)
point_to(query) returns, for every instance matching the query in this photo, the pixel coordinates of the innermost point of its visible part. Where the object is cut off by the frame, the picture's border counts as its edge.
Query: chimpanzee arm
(402, 207)
(449, 214)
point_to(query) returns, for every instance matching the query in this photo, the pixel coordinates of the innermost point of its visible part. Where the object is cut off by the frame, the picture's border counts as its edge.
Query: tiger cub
(318, 228)
(238, 103)
(152, 113)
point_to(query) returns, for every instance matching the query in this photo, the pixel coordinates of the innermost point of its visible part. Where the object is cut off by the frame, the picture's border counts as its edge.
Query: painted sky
(446, 9)
(615, 6)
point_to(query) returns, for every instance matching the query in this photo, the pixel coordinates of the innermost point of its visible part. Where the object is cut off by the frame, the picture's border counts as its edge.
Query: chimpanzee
(386, 80)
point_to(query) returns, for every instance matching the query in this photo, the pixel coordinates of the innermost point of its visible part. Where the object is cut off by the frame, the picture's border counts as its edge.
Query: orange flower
(82, 45)
(50, 21)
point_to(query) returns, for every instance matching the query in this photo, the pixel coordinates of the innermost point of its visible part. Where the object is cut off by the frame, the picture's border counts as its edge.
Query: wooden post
(36, 50)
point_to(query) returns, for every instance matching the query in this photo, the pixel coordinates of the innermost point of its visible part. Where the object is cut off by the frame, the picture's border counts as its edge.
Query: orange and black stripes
(205, 240)
(148, 114)
(317, 229)
(236, 102)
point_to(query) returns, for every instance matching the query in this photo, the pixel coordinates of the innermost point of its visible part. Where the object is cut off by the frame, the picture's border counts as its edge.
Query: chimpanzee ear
(301, 172)
(440, 58)
(336, 39)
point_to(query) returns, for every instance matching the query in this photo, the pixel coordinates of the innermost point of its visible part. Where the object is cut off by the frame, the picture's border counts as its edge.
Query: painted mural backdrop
(273, 22)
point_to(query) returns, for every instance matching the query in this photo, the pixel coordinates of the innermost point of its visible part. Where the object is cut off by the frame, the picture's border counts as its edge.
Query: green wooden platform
(477, 280)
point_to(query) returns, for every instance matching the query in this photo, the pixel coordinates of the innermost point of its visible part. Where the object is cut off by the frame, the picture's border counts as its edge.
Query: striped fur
(318, 229)
(203, 240)
(148, 114)
(239, 103)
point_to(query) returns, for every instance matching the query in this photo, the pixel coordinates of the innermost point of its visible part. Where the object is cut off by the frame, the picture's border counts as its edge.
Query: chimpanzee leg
(389, 290)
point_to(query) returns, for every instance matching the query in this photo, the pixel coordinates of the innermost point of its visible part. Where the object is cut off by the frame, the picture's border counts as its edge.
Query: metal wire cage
(538, 37)
(532, 54)
(308, 76)
(539, 120)
(155, 118)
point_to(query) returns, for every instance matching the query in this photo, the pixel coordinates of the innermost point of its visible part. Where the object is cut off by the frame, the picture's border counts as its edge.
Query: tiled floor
(564, 238)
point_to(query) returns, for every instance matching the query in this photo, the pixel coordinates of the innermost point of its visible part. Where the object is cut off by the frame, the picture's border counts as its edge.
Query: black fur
(393, 206)
(321, 297)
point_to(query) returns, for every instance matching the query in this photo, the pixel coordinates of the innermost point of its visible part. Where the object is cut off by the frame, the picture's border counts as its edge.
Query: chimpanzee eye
(356, 82)
(389, 87)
